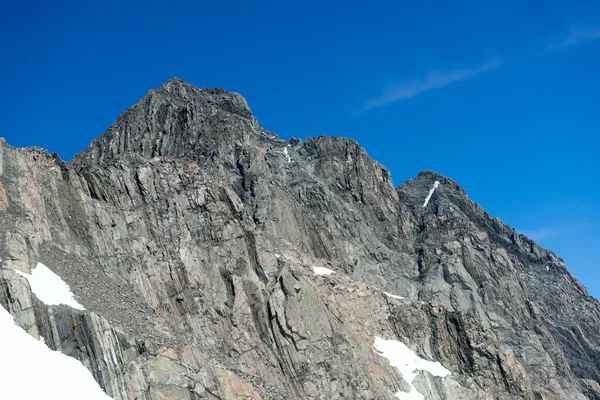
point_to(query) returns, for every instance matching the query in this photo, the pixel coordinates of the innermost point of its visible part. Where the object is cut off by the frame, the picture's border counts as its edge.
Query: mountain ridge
(190, 234)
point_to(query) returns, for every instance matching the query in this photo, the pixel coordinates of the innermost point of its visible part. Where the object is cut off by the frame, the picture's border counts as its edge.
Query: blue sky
(503, 98)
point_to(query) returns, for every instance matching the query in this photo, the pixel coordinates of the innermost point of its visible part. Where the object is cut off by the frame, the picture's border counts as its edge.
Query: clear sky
(504, 98)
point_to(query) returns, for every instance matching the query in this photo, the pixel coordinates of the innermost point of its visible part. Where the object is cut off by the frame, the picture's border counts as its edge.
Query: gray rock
(189, 233)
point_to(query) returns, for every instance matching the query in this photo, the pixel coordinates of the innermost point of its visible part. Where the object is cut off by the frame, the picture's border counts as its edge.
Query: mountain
(214, 260)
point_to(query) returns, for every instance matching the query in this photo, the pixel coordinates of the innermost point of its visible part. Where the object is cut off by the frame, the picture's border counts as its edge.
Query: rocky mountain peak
(441, 187)
(215, 260)
(178, 91)
(175, 120)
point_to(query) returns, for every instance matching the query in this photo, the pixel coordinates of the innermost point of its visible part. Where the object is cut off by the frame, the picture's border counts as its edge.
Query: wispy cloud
(576, 37)
(434, 80)
(541, 234)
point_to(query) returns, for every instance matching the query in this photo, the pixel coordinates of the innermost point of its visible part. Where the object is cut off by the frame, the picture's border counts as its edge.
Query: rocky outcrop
(190, 233)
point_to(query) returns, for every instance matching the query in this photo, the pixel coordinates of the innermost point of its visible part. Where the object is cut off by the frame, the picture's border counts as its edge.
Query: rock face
(190, 234)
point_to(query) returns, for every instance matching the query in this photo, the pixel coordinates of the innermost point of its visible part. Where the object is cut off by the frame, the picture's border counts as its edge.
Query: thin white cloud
(541, 233)
(547, 233)
(577, 36)
(434, 80)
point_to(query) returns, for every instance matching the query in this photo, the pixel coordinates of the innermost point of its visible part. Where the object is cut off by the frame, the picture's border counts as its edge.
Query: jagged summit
(427, 177)
(175, 120)
(175, 82)
(412, 190)
(213, 126)
(177, 90)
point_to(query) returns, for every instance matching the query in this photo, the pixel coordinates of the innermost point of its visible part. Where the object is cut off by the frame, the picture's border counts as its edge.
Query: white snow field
(50, 288)
(30, 371)
(408, 363)
(322, 271)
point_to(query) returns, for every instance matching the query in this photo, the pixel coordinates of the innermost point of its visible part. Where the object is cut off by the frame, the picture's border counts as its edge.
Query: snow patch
(50, 288)
(407, 362)
(287, 155)
(393, 296)
(30, 370)
(435, 185)
(322, 271)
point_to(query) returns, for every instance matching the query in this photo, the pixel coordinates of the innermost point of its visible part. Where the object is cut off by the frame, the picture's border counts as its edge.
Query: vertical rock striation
(190, 233)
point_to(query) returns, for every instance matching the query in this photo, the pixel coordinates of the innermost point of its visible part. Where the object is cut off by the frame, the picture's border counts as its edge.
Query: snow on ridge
(323, 271)
(50, 288)
(435, 185)
(393, 296)
(407, 362)
(29, 370)
(287, 155)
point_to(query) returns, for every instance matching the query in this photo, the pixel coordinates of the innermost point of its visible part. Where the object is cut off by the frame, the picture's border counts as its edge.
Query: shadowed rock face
(190, 234)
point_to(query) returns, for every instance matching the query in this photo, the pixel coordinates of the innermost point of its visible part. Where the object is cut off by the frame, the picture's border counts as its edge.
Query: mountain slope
(190, 233)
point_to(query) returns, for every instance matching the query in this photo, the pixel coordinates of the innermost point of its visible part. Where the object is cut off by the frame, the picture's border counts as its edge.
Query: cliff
(191, 236)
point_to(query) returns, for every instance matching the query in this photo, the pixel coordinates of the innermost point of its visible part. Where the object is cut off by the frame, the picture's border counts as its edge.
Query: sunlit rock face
(214, 260)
